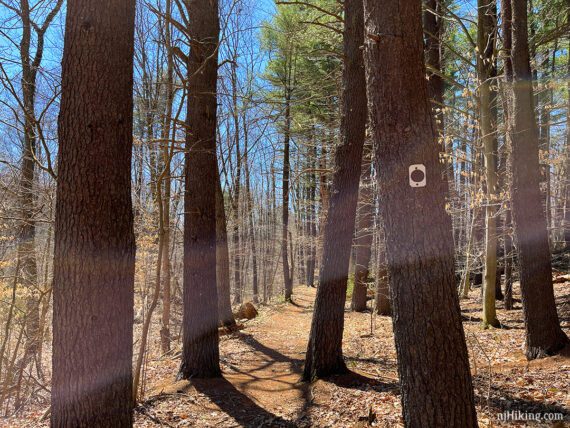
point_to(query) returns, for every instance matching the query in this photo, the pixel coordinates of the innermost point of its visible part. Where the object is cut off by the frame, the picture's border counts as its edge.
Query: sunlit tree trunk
(486, 36)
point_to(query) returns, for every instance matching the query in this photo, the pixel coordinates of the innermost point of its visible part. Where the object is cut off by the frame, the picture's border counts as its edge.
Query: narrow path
(261, 372)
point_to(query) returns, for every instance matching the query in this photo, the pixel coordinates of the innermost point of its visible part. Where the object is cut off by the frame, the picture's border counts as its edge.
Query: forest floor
(262, 365)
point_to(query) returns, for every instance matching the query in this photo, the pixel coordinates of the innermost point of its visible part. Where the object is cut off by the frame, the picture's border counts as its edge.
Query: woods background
(278, 127)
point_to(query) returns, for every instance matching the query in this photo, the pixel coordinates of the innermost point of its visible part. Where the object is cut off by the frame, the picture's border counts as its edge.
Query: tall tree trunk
(94, 259)
(433, 47)
(28, 278)
(486, 36)
(287, 277)
(543, 333)
(237, 191)
(167, 144)
(312, 216)
(324, 352)
(508, 245)
(545, 102)
(200, 352)
(436, 386)
(364, 235)
(226, 317)
(251, 226)
(566, 218)
(506, 12)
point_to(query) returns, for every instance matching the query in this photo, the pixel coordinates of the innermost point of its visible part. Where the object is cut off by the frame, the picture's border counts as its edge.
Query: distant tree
(167, 160)
(544, 335)
(364, 234)
(226, 317)
(34, 24)
(507, 33)
(436, 386)
(282, 73)
(324, 351)
(200, 353)
(487, 73)
(566, 220)
(94, 259)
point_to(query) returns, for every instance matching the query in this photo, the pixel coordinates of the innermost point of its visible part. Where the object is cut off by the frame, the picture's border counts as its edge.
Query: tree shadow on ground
(275, 355)
(354, 380)
(238, 405)
(502, 401)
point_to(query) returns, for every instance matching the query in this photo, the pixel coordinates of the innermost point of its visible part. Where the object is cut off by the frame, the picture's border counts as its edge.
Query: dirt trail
(262, 367)
(261, 371)
(261, 387)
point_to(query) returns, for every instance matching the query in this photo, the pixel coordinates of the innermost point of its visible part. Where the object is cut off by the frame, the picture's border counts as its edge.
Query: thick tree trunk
(94, 258)
(486, 31)
(543, 333)
(436, 386)
(364, 235)
(200, 353)
(324, 352)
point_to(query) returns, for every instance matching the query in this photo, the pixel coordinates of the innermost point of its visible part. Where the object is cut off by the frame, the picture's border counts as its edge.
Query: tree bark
(436, 386)
(94, 257)
(324, 352)
(543, 333)
(200, 353)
